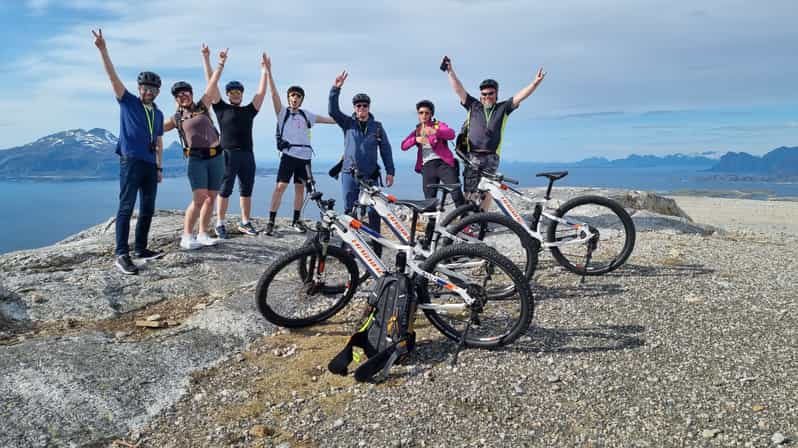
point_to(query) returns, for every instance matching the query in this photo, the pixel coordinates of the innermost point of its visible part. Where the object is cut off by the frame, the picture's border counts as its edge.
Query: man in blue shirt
(140, 149)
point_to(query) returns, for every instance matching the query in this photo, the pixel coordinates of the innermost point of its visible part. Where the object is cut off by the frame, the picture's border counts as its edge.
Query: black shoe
(298, 227)
(125, 264)
(270, 228)
(147, 254)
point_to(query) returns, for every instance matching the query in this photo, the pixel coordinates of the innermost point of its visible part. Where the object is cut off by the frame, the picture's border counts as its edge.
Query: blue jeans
(136, 177)
(350, 190)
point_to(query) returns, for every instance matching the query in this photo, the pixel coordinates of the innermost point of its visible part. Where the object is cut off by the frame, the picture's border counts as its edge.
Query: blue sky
(624, 76)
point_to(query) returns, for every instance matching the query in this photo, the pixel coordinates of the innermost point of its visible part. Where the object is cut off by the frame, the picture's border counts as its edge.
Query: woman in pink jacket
(434, 160)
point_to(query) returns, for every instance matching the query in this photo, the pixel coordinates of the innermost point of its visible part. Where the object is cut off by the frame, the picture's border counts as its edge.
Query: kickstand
(591, 246)
(461, 344)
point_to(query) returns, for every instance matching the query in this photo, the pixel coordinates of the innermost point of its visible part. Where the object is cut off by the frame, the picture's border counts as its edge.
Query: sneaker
(298, 227)
(125, 265)
(147, 254)
(221, 232)
(247, 229)
(189, 243)
(206, 240)
(270, 228)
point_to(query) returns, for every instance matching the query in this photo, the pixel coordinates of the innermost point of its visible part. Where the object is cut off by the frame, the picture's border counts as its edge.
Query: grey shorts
(485, 162)
(206, 174)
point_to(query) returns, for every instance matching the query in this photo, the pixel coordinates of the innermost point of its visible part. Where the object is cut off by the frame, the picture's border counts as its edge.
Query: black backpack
(387, 335)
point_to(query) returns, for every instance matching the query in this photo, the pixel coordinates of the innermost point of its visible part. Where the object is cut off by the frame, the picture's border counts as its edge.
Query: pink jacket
(437, 141)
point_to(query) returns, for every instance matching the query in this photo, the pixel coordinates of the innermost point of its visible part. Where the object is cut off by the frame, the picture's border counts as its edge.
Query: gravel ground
(691, 344)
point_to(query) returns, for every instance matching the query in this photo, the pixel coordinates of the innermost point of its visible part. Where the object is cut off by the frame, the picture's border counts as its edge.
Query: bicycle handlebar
(498, 177)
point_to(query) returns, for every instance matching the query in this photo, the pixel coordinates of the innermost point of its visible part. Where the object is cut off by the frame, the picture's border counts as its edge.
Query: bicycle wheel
(612, 246)
(289, 299)
(508, 237)
(478, 269)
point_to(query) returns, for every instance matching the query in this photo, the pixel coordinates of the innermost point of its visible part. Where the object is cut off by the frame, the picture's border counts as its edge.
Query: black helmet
(361, 98)
(426, 103)
(233, 85)
(489, 83)
(296, 89)
(181, 86)
(149, 79)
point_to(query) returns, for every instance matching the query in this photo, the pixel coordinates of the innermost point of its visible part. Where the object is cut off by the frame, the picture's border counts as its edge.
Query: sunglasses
(183, 93)
(361, 106)
(491, 93)
(149, 89)
(234, 92)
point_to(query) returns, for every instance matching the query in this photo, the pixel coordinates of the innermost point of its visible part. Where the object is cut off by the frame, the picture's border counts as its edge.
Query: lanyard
(150, 122)
(488, 115)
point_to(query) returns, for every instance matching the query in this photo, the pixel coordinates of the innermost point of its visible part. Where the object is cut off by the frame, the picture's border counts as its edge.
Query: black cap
(489, 83)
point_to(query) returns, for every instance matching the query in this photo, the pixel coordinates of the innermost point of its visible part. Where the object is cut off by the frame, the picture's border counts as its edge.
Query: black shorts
(292, 167)
(242, 164)
(485, 161)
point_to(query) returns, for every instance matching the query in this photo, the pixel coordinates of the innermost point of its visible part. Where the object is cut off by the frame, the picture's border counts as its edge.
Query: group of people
(216, 158)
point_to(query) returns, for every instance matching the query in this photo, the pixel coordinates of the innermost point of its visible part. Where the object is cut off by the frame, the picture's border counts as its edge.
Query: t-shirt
(235, 123)
(486, 127)
(428, 154)
(135, 139)
(296, 132)
(198, 128)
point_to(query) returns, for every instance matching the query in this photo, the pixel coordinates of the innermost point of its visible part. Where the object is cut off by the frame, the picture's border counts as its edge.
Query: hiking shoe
(270, 228)
(247, 229)
(189, 243)
(147, 254)
(125, 265)
(221, 232)
(298, 227)
(206, 240)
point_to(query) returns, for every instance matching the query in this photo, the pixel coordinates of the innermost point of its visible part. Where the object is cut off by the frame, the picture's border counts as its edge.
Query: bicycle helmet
(361, 98)
(426, 103)
(296, 89)
(489, 83)
(149, 79)
(181, 86)
(233, 85)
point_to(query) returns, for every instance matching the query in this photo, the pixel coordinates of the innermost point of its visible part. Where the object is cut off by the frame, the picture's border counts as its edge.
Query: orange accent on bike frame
(355, 224)
(391, 198)
(503, 186)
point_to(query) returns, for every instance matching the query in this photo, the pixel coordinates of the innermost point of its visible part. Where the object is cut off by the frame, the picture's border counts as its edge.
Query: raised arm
(455, 82)
(212, 89)
(526, 91)
(275, 94)
(324, 119)
(257, 101)
(333, 108)
(116, 83)
(206, 62)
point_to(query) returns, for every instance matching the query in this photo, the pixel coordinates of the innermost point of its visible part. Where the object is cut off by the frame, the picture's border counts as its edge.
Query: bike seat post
(413, 228)
(548, 190)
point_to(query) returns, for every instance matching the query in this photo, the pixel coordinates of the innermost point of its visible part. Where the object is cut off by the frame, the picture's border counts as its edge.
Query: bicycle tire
(599, 267)
(340, 296)
(523, 292)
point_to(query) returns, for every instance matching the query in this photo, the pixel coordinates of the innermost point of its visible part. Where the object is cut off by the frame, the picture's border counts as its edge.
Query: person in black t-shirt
(235, 125)
(486, 119)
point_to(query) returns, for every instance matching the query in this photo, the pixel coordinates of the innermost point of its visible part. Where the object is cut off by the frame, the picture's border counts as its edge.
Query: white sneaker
(206, 240)
(189, 243)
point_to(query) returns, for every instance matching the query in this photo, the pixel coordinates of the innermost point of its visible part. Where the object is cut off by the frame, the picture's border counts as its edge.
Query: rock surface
(695, 334)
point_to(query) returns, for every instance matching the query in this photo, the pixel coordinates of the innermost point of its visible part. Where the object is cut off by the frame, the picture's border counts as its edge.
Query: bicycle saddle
(445, 187)
(420, 205)
(553, 175)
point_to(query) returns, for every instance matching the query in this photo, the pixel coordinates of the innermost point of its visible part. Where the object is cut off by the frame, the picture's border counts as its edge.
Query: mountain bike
(454, 283)
(587, 235)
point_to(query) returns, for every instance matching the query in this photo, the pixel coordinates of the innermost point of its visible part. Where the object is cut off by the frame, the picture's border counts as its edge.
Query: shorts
(486, 162)
(242, 164)
(292, 167)
(205, 174)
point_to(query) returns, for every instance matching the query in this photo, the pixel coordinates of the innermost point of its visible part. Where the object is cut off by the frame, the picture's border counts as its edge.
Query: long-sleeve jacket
(436, 140)
(359, 146)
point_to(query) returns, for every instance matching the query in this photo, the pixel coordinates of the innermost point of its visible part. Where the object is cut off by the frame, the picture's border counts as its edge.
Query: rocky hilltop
(692, 343)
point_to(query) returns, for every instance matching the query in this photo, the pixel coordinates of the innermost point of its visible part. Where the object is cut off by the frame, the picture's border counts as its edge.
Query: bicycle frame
(498, 190)
(352, 232)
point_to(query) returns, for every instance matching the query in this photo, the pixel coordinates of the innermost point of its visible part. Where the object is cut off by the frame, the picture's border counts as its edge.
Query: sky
(623, 76)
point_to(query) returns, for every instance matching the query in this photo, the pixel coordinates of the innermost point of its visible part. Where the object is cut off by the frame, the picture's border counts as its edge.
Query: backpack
(461, 142)
(282, 145)
(203, 153)
(387, 335)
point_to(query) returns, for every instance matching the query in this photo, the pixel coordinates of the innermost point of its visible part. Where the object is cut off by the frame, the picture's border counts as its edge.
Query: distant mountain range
(80, 154)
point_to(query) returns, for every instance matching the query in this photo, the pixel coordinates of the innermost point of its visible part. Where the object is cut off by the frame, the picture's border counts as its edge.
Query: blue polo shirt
(135, 139)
